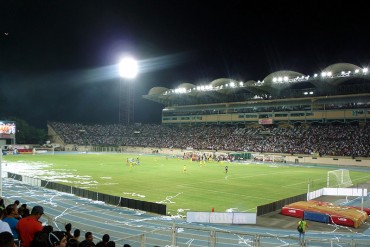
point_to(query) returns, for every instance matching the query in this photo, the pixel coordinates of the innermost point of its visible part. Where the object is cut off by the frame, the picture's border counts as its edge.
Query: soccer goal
(338, 179)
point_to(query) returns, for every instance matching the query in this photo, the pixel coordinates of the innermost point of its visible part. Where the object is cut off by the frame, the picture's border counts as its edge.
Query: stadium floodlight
(356, 71)
(1, 177)
(128, 68)
(364, 70)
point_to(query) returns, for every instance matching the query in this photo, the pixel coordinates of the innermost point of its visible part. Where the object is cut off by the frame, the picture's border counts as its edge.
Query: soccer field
(163, 180)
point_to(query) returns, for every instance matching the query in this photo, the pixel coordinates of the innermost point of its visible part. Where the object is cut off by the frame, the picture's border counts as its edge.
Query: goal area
(338, 179)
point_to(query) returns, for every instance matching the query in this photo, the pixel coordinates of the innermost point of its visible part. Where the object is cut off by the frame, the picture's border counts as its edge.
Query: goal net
(338, 179)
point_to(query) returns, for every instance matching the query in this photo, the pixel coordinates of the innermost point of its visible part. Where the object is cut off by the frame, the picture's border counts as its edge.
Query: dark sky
(57, 58)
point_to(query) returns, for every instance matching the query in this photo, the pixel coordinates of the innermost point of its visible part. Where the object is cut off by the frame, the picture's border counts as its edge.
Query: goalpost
(338, 179)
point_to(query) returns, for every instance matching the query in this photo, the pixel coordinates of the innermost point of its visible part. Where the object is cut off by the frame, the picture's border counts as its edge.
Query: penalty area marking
(305, 182)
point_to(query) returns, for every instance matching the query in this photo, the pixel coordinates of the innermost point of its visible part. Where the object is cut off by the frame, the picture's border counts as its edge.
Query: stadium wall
(333, 160)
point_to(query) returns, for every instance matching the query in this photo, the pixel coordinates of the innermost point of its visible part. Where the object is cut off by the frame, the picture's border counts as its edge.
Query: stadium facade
(339, 93)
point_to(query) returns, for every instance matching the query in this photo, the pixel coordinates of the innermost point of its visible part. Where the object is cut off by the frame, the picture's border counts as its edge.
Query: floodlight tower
(128, 69)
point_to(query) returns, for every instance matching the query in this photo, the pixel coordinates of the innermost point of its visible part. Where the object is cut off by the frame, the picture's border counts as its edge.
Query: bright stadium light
(128, 68)
(1, 177)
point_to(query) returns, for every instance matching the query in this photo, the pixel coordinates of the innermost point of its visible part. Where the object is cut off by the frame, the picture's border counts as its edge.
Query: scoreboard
(7, 129)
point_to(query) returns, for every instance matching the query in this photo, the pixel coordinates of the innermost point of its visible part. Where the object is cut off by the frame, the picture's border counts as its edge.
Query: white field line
(234, 176)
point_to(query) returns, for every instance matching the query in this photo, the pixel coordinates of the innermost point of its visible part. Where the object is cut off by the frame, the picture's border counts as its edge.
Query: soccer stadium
(232, 164)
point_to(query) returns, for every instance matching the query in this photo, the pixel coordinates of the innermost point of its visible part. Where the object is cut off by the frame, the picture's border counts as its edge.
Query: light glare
(128, 68)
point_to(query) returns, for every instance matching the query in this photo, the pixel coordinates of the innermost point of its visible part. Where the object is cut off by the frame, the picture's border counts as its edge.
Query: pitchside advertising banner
(222, 218)
(265, 121)
(7, 129)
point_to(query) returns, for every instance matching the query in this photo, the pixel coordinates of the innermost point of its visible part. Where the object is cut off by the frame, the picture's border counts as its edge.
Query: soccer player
(184, 169)
(226, 169)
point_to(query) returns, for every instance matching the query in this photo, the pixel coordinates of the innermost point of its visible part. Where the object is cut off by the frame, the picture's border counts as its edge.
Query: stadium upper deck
(340, 93)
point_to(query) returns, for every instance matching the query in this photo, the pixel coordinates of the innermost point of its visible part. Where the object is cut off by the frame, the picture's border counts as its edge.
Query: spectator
(104, 241)
(7, 240)
(2, 204)
(11, 211)
(4, 226)
(68, 228)
(21, 210)
(26, 212)
(88, 240)
(57, 239)
(16, 204)
(47, 229)
(73, 242)
(111, 244)
(28, 226)
(40, 239)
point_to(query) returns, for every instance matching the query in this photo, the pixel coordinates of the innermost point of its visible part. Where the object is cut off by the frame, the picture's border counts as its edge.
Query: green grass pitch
(162, 179)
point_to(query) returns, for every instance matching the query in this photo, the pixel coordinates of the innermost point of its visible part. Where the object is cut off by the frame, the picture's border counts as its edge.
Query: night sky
(58, 58)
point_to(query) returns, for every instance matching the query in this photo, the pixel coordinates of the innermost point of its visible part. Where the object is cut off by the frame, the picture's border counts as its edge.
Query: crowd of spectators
(18, 230)
(324, 139)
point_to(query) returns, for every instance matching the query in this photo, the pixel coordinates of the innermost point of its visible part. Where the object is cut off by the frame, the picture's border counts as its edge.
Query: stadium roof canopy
(335, 79)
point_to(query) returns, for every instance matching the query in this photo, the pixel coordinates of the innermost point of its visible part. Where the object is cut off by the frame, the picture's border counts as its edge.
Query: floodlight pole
(128, 70)
(119, 100)
(1, 171)
(126, 102)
